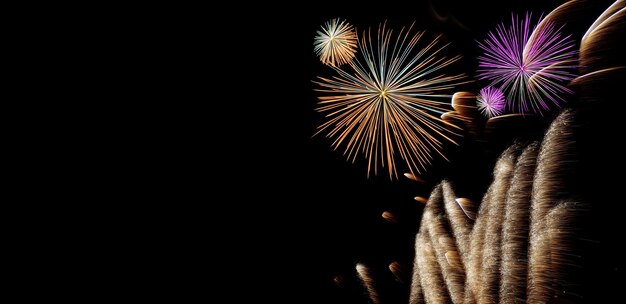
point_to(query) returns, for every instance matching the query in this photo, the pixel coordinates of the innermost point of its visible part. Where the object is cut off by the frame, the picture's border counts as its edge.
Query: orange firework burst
(390, 106)
(336, 43)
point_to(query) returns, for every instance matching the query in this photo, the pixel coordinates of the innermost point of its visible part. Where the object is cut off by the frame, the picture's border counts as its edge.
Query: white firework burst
(336, 42)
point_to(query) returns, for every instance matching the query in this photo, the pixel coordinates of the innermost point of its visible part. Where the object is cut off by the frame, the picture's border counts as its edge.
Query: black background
(308, 214)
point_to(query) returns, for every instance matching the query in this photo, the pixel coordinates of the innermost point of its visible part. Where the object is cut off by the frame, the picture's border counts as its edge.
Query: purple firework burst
(531, 66)
(491, 101)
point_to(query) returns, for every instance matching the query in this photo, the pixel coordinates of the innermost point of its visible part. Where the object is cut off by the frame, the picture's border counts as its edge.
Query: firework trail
(515, 229)
(479, 241)
(431, 277)
(417, 294)
(598, 50)
(397, 270)
(335, 43)
(390, 106)
(437, 228)
(549, 186)
(368, 282)
(460, 224)
(491, 101)
(531, 66)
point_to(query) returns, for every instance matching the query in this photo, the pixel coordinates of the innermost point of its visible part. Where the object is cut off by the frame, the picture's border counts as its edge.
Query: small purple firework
(530, 66)
(491, 101)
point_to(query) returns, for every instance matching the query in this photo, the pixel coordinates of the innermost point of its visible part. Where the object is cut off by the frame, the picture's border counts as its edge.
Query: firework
(390, 106)
(388, 216)
(515, 228)
(432, 281)
(335, 43)
(437, 228)
(491, 101)
(520, 247)
(364, 274)
(531, 66)
(397, 270)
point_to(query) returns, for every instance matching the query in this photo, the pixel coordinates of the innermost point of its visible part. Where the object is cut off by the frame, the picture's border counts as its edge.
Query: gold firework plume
(516, 249)
(335, 43)
(389, 107)
(516, 246)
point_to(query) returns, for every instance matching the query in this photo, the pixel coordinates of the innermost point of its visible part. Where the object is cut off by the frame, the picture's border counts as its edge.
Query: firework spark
(531, 67)
(390, 106)
(336, 43)
(491, 101)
